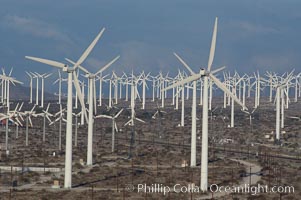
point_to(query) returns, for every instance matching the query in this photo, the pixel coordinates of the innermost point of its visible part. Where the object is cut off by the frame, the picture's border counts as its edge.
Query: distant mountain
(22, 92)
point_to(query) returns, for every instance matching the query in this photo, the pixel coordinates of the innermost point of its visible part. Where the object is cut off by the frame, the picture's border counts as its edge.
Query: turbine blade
(21, 106)
(226, 90)
(212, 48)
(48, 118)
(107, 65)
(184, 63)
(19, 122)
(103, 116)
(57, 80)
(11, 70)
(20, 115)
(89, 49)
(47, 107)
(33, 108)
(217, 70)
(130, 121)
(184, 81)
(140, 120)
(118, 113)
(47, 62)
(79, 94)
(16, 107)
(115, 126)
(30, 121)
(28, 74)
(48, 75)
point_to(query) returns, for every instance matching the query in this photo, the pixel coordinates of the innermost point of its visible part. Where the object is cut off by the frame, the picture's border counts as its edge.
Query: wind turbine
(144, 84)
(83, 110)
(30, 85)
(92, 104)
(45, 114)
(10, 116)
(114, 126)
(131, 122)
(7, 80)
(6, 94)
(115, 83)
(207, 74)
(279, 93)
(250, 117)
(16, 114)
(71, 75)
(43, 76)
(193, 115)
(60, 119)
(28, 115)
(296, 86)
(59, 81)
(235, 83)
(154, 79)
(126, 82)
(34, 75)
(101, 80)
(76, 126)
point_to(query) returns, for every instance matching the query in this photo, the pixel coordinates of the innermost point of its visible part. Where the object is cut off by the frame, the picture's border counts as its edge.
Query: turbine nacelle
(203, 72)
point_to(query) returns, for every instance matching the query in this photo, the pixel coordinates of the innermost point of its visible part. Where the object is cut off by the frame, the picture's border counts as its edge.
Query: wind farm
(196, 131)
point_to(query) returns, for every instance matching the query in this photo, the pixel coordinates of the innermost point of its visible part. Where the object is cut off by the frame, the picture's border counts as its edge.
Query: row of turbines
(236, 88)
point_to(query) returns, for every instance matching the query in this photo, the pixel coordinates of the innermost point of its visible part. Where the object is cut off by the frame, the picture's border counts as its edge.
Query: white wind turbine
(154, 79)
(83, 110)
(7, 80)
(160, 88)
(30, 85)
(144, 86)
(59, 81)
(101, 79)
(121, 84)
(257, 83)
(193, 115)
(207, 74)
(296, 86)
(28, 115)
(45, 114)
(159, 114)
(131, 122)
(270, 81)
(16, 114)
(60, 118)
(43, 77)
(235, 83)
(35, 75)
(92, 104)
(183, 104)
(115, 83)
(11, 116)
(76, 126)
(114, 126)
(279, 92)
(126, 83)
(175, 92)
(250, 116)
(71, 75)
(110, 90)
(4, 85)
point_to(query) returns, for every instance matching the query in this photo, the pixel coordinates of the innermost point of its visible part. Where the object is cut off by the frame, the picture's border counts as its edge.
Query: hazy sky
(255, 34)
